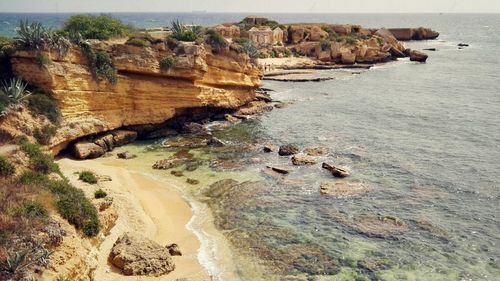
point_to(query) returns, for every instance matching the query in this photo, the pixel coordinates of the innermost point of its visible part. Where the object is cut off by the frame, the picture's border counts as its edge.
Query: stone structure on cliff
(228, 30)
(265, 35)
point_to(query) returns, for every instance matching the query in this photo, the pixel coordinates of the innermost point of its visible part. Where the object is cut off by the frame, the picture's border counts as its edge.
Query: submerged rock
(177, 173)
(316, 151)
(268, 148)
(193, 128)
(126, 155)
(137, 255)
(192, 181)
(280, 170)
(168, 164)
(342, 189)
(288, 149)
(336, 171)
(301, 160)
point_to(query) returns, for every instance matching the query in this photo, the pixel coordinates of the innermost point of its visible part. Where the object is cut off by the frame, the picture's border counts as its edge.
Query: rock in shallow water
(316, 151)
(137, 255)
(336, 171)
(418, 56)
(342, 189)
(301, 160)
(288, 149)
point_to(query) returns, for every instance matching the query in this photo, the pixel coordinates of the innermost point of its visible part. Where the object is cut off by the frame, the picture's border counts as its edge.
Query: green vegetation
(88, 177)
(249, 47)
(32, 149)
(380, 41)
(98, 194)
(16, 262)
(37, 37)
(71, 202)
(42, 60)
(142, 39)
(350, 40)
(138, 42)
(6, 168)
(102, 27)
(44, 163)
(44, 135)
(15, 90)
(31, 209)
(325, 45)
(167, 63)
(100, 63)
(185, 33)
(76, 208)
(42, 104)
(39, 161)
(216, 40)
(32, 178)
(272, 24)
(4, 41)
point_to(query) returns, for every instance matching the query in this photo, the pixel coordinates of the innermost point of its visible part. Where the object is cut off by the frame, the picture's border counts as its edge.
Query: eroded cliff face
(145, 93)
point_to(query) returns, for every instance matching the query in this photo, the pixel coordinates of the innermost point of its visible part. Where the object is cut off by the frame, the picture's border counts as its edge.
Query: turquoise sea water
(424, 137)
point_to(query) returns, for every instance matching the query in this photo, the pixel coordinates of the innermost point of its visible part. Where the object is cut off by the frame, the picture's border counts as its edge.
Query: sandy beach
(148, 206)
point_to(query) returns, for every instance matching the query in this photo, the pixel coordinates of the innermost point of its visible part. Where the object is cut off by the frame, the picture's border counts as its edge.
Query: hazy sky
(247, 6)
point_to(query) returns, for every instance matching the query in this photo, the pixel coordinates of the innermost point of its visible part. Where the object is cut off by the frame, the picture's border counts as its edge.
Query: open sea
(425, 139)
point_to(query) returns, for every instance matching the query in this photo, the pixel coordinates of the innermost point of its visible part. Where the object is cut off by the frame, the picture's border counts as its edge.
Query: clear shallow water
(424, 137)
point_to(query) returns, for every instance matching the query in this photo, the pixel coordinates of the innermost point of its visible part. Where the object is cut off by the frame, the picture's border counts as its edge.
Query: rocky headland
(90, 96)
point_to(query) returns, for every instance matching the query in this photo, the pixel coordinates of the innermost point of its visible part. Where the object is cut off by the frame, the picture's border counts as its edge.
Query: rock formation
(145, 93)
(421, 33)
(136, 255)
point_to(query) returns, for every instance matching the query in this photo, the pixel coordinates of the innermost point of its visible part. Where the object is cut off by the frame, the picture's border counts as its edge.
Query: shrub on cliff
(76, 208)
(249, 47)
(100, 63)
(102, 27)
(214, 39)
(44, 135)
(325, 45)
(167, 63)
(6, 168)
(41, 104)
(31, 209)
(142, 39)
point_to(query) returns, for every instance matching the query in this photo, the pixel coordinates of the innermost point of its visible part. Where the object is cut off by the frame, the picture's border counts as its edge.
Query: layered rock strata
(145, 92)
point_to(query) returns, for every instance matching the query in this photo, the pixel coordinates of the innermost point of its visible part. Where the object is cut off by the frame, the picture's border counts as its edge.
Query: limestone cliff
(145, 93)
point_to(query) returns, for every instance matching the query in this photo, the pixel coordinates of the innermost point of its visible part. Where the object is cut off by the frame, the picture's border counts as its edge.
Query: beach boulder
(122, 137)
(87, 150)
(137, 255)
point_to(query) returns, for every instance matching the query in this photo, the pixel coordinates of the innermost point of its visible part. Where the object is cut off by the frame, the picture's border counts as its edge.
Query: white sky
(249, 6)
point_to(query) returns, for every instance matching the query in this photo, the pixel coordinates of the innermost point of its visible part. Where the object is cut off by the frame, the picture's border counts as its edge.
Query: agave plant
(177, 27)
(32, 35)
(36, 36)
(15, 90)
(16, 262)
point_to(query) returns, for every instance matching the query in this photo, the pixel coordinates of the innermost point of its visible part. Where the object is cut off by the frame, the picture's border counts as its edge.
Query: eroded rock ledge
(145, 93)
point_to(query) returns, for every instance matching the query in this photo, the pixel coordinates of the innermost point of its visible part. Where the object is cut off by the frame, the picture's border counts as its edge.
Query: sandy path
(148, 206)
